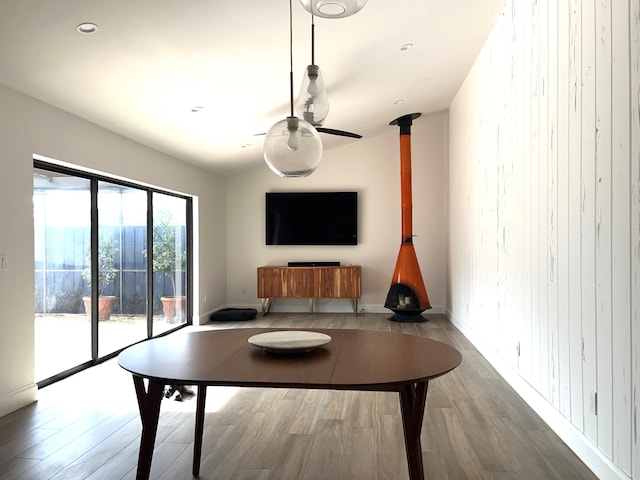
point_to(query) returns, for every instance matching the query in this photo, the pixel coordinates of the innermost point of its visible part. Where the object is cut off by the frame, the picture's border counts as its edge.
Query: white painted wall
(29, 127)
(370, 166)
(544, 217)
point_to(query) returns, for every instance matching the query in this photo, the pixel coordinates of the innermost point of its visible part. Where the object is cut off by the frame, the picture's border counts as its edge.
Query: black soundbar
(314, 264)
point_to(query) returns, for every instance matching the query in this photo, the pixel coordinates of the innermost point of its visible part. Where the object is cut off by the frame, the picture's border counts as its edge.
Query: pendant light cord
(313, 40)
(291, 55)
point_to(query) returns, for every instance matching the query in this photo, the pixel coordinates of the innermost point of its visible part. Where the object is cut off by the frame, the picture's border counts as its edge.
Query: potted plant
(107, 252)
(169, 257)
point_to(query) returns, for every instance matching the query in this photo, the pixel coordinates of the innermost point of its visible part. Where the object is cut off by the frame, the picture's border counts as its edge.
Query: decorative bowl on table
(289, 341)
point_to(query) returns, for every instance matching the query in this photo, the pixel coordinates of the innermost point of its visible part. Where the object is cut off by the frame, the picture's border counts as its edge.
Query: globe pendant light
(333, 8)
(313, 103)
(292, 147)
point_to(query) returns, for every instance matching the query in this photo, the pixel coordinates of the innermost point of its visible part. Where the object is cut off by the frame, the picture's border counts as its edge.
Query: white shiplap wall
(544, 217)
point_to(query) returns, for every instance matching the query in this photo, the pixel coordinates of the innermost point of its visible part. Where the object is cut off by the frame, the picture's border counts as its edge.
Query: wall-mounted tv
(311, 218)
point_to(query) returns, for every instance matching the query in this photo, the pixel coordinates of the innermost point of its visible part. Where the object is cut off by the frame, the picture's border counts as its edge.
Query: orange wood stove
(407, 297)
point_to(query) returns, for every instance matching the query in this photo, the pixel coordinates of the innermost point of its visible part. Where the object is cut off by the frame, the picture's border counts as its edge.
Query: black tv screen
(311, 218)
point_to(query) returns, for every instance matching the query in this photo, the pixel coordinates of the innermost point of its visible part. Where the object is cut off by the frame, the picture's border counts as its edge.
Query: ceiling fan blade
(341, 133)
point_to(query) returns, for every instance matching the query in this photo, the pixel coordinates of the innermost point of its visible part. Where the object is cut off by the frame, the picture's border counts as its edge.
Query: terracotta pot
(174, 308)
(105, 306)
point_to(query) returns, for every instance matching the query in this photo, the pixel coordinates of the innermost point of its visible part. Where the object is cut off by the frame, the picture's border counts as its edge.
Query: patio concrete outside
(63, 341)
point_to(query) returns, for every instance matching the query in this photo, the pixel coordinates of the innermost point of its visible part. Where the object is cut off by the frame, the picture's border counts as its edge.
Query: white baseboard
(283, 306)
(589, 453)
(322, 306)
(12, 401)
(435, 310)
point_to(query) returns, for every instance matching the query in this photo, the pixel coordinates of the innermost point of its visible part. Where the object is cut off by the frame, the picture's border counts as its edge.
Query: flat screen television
(311, 218)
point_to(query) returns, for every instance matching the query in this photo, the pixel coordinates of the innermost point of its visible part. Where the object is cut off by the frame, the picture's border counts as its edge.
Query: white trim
(12, 401)
(280, 306)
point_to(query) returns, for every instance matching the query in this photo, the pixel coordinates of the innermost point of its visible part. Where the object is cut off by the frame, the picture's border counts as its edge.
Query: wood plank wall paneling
(587, 219)
(544, 211)
(620, 230)
(562, 258)
(634, 54)
(526, 339)
(603, 208)
(574, 59)
(550, 18)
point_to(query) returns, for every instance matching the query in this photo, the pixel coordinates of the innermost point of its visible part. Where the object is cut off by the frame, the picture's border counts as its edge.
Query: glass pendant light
(313, 103)
(292, 147)
(333, 8)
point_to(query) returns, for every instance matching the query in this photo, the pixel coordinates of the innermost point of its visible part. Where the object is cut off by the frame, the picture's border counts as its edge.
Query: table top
(353, 359)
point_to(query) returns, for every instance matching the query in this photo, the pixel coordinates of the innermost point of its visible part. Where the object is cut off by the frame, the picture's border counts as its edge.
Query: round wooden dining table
(362, 360)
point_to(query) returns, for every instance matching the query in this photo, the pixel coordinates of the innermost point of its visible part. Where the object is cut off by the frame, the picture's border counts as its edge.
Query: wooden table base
(412, 405)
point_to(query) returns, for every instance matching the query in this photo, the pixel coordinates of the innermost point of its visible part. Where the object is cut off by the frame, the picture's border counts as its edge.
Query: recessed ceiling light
(87, 28)
(406, 46)
(398, 102)
(197, 109)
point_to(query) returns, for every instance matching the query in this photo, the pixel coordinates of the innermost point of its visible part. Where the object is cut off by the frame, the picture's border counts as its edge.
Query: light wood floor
(476, 427)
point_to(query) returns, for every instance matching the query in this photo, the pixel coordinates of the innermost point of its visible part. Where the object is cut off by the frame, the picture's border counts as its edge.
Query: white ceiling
(152, 61)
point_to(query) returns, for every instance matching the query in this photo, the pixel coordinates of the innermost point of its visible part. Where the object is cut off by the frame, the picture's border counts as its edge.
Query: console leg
(266, 305)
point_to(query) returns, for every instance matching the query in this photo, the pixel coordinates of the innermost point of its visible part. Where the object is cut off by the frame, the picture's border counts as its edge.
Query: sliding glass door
(169, 262)
(99, 288)
(122, 240)
(62, 233)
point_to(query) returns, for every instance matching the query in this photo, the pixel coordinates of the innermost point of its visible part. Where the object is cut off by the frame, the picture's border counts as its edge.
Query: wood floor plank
(434, 466)
(15, 467)
(274, 424)
(102, 452)
(18, 442)
(291, 460)
(390, 459)
(118, 466)
(553, 456)
(486, 442)
(359, 461)
(362, 410)
(165, 454)
(68, 453)
(338, 405)
(312, 405)
(325, 458)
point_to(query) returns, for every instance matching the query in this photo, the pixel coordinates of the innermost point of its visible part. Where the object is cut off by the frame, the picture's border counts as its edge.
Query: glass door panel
(95, 291)
(122, 234)
(169, 262)
(62, 219)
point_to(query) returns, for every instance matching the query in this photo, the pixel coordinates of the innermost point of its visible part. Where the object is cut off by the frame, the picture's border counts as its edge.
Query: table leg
(149, 406)
(197, 443)
(413, 399)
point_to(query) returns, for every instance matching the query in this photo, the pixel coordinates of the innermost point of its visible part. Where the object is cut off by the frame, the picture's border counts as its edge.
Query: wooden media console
(309, 282)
